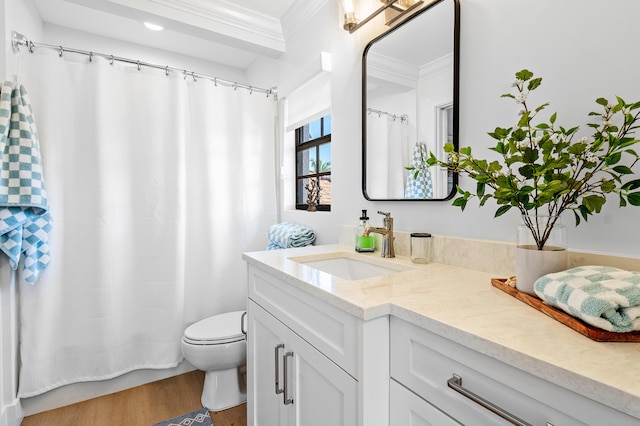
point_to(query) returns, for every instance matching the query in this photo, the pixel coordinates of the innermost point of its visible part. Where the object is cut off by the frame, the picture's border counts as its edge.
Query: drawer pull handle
(243, 326)
(277, 358)
(286, 398)
(455, 383)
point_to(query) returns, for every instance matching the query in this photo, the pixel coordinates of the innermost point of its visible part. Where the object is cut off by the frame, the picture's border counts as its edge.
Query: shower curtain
(386, 156)
(156, 185)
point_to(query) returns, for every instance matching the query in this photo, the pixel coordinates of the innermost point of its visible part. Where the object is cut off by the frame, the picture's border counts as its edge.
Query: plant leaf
(502, 210)
(634, 198)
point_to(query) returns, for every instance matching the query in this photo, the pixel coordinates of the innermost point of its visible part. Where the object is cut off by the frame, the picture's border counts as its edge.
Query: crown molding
(215, 20)
(391, 69)
(300, 14)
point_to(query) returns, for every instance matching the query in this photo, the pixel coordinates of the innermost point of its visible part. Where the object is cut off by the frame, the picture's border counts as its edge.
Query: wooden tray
(578, 325)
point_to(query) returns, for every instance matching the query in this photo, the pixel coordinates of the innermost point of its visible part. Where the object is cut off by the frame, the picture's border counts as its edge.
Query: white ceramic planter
(532, 263)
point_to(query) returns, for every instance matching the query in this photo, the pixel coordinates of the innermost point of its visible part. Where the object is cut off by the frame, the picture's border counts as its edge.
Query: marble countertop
(462, 305)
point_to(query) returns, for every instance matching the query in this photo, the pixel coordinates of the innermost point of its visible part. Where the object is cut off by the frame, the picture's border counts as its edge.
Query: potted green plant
(545, 169)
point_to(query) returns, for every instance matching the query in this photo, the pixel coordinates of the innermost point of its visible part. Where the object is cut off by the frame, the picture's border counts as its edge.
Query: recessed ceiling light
(153, 27)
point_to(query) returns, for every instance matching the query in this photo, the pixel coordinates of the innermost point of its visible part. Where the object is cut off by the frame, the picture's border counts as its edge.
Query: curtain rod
(403, 117)
(18, 40)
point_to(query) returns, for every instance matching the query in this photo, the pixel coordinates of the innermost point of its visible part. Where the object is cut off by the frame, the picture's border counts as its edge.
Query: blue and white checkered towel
(286, 235)
(419, 183)
(25, 222)
(605, 297)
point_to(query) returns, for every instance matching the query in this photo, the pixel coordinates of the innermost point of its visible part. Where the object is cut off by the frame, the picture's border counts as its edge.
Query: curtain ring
(250, 90)
(235, 86)
(60, 50)
(166, 70)
(90, 56)
(184, 72)
(193, 75)
(30, 46)
(215, 82)
(138, 64)
(111, 60)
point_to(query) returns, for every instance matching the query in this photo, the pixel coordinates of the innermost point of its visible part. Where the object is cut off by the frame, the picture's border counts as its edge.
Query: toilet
(217, 346)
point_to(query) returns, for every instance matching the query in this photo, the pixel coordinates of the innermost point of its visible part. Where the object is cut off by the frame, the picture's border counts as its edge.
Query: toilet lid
(223, 327)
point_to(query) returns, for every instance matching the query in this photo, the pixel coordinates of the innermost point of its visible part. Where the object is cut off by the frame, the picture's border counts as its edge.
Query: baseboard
(78, 392)
(11, 414)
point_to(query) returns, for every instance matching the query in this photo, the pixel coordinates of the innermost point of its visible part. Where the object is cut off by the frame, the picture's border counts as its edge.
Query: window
(313, 162)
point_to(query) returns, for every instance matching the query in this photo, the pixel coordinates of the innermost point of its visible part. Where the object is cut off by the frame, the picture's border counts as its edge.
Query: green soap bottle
(364, 244)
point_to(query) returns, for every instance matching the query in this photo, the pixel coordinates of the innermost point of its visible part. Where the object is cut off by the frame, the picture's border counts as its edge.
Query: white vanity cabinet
(291, 379)
(429, 368)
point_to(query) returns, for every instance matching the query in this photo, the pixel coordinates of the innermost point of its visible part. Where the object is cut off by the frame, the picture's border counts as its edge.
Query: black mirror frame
(456, 99)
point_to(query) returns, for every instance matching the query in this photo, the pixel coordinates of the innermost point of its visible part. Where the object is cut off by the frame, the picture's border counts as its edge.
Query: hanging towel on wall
(286, 235)
(419, 183)
(25, 222)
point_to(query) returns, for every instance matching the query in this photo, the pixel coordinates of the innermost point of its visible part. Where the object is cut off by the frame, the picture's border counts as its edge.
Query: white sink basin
(346, 266)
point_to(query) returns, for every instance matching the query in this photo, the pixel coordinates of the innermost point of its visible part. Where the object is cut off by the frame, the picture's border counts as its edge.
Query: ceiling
(231, 33)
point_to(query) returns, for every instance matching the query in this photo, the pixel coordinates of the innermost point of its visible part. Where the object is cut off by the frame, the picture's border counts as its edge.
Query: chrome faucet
(387, 235)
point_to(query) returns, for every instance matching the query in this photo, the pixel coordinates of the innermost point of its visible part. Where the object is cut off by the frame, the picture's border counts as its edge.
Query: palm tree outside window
(313, 162)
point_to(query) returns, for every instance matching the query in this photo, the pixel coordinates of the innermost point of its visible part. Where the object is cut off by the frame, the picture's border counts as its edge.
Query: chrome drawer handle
(455, 383)
(277, 358)
(286, 398)
(243, 326)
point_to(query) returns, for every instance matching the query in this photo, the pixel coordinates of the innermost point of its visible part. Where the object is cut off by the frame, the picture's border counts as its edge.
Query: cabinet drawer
(329, 329)
(424, 362)
(407, 408)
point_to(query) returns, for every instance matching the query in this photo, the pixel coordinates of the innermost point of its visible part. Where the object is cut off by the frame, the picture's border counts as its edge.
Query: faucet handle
(387, 215)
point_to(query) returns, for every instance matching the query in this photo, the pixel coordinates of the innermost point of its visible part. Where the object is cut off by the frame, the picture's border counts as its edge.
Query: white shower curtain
(156, 186)
(386, 156)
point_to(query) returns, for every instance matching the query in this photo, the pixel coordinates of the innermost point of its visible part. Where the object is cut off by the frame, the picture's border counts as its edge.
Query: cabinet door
(407, 408)
(323, 393)
(265, 336)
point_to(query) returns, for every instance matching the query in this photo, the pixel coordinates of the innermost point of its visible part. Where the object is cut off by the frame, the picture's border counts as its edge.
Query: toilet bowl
(217, 346)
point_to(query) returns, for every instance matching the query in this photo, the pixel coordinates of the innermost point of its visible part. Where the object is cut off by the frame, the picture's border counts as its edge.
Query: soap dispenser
(364, 243)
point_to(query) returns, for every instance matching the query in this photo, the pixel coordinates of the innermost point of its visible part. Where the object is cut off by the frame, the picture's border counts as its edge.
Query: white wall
(583, 49)
(21, 16)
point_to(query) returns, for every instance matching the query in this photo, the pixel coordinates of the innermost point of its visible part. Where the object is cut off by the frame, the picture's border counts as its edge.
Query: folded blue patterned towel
(25, 222)
(605, 297)
(286, 235)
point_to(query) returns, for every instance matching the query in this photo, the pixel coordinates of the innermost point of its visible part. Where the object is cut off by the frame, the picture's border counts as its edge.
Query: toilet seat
(216, 330)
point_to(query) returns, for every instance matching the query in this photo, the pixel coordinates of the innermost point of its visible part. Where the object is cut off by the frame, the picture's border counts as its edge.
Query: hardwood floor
(140, 406)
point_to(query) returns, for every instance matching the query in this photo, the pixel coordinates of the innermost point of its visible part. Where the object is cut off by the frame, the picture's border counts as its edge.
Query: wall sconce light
(394, 10)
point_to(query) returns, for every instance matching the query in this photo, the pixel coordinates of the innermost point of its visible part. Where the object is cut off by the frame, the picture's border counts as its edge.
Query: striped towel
(286, 235)
(25, 222)
(605, 297)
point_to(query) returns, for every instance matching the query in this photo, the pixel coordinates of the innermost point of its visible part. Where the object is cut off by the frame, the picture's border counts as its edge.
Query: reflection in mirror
(410, 106)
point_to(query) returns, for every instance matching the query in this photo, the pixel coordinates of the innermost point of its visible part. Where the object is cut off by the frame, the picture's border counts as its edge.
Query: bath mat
(195, 418)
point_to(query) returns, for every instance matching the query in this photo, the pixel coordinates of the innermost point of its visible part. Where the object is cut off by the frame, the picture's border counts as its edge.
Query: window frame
(302, 146)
